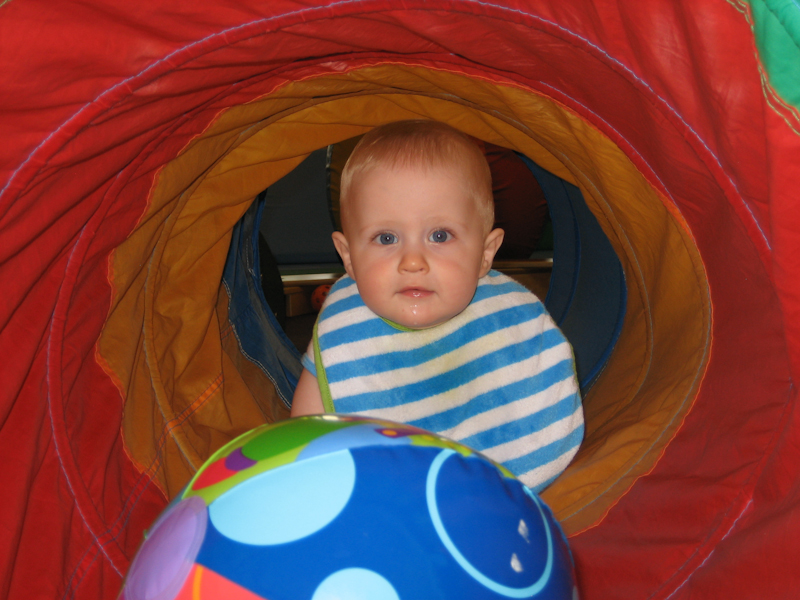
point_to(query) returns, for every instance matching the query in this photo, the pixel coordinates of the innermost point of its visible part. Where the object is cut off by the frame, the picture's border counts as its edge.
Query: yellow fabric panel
(183, 396)
(636, 406)
(633, 408)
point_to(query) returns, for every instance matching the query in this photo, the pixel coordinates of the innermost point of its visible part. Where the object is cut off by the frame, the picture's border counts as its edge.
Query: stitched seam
(56, 443)
(705, 560)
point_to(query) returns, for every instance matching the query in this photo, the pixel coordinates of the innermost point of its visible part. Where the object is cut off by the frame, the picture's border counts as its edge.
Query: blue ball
(341, 507)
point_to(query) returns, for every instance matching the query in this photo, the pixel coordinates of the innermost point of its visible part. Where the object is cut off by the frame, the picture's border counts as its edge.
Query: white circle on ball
(355, 584)
(287, 503)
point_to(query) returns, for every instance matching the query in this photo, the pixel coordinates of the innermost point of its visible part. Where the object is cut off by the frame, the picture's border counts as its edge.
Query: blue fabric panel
(260, 337)
(588, 295)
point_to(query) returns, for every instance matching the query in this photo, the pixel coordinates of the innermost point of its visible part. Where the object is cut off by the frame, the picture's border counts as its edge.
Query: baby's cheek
(376, 297)
(464, 290)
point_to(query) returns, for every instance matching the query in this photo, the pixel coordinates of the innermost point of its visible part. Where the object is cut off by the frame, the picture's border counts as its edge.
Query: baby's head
(417, 215)
(424, 146)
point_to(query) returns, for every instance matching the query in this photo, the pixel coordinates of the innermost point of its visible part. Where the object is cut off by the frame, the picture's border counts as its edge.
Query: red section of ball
(213, 473)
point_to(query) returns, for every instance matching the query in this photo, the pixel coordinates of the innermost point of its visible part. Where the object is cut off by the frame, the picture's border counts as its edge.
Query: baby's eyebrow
(447, 223)
(372, 231)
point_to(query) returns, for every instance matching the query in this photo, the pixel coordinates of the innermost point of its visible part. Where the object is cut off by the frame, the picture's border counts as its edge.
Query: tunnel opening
(637, 398)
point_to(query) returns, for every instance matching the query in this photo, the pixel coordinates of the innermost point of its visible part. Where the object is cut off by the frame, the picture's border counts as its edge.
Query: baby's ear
(490, 247)
(343, 248)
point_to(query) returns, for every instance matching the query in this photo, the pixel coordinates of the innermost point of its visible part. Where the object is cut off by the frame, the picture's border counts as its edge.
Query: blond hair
(425, 145)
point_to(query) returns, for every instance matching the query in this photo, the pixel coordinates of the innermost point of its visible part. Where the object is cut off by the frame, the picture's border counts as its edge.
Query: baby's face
(415, 244)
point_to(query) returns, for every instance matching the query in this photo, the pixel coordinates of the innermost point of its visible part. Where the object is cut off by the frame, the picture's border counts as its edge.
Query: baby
(421, 330)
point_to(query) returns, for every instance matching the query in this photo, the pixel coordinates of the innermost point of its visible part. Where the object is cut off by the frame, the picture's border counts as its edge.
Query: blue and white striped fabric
(499, 377)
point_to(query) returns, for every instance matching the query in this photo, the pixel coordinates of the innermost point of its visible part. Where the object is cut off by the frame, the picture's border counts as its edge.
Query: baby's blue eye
(439, 236)
(386, 239)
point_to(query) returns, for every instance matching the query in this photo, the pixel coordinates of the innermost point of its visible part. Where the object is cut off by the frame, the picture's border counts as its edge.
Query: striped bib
(498, 377)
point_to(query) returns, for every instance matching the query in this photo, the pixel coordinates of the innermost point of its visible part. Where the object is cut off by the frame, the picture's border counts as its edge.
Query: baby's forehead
(399, 179)
(379, 210)
(470, 196)
(456, 165)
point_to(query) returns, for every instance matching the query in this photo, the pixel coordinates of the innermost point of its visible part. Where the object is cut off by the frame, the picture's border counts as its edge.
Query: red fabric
(96, 97)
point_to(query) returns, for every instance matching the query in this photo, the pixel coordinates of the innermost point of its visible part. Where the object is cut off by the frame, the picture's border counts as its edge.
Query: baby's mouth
(415, 292)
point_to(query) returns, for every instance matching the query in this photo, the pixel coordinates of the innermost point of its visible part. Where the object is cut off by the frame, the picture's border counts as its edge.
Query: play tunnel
(137, 135)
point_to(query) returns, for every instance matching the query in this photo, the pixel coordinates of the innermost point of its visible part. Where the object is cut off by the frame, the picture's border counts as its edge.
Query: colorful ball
(339, 507)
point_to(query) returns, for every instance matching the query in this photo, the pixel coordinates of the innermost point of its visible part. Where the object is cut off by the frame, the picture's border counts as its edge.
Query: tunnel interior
(641, 394)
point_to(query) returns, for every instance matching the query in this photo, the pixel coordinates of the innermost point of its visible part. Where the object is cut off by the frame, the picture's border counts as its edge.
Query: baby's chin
(420, 322)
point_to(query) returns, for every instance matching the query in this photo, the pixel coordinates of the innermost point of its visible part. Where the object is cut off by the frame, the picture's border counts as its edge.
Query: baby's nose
(413, 261)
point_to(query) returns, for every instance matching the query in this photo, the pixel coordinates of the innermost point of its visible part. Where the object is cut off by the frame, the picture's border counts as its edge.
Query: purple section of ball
(167, 555)
(236, 461)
